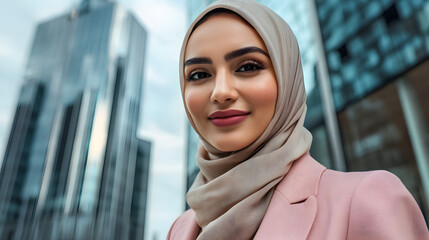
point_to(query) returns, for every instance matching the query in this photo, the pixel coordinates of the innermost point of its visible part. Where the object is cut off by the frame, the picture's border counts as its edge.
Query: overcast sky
(162, 119)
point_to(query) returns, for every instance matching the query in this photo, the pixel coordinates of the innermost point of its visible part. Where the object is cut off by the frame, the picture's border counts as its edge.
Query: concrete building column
(330, 115)
(417, 130)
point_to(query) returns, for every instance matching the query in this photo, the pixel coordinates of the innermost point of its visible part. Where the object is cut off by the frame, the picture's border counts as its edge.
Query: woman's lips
(228, 118)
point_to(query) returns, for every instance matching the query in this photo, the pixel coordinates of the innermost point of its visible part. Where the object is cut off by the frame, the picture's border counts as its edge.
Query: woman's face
(230, 86)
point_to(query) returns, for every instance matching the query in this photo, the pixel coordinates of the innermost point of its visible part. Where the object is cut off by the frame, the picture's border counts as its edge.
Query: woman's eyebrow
(228, 56)
(243, 51)
(201, 60)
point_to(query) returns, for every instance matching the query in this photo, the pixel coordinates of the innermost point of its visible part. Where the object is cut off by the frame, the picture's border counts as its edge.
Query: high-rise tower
(74, 167)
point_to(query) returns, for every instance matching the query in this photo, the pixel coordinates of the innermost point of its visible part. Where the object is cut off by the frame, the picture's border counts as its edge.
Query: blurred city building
(377, 57)
(74, 167)
(365, 67)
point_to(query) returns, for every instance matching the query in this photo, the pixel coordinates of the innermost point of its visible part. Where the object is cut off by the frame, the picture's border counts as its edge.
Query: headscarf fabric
(232, 191)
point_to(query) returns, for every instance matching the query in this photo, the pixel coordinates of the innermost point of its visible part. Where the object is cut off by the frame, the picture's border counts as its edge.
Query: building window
(344, 52)
(391, 15)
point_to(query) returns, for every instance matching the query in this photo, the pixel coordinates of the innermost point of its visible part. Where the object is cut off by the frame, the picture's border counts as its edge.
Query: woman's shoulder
(352, 180)
(374, 187)
(382, 206)
(347, 188)
(379, 205)
(185, 227)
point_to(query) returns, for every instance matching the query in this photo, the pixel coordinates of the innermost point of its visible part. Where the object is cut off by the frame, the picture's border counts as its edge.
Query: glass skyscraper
(74, 167)
(377, 55)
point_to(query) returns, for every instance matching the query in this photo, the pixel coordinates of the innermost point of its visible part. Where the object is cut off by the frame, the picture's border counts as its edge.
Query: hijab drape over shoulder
(233, 189)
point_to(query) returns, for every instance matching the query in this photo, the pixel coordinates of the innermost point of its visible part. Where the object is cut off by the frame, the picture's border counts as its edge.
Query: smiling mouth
(228, 118)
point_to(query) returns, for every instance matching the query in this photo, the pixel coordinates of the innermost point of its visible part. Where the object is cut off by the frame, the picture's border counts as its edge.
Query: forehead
(222, 31)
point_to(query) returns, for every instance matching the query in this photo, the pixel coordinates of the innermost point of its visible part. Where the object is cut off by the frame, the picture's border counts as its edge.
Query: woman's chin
(229, 146)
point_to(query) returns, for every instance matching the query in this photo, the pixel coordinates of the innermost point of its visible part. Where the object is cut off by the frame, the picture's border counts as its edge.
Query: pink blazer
(312, 202)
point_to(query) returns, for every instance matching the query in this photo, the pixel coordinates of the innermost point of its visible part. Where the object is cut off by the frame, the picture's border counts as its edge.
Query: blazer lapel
(293, 207)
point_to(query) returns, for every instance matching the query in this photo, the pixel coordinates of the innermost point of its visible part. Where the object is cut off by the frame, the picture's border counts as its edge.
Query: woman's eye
(249, 67)
(198, 76)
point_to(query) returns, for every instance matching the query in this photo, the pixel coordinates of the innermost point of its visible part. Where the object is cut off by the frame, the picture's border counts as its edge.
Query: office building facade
(377, 55)
(73, 166)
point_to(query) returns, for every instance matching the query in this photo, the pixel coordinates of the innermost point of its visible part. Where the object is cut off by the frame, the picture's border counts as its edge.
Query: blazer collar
(293, 206)
(290, 214)
(302, 180)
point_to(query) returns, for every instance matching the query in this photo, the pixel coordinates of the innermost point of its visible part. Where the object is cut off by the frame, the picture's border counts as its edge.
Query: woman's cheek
(195, 103)
(262, 93)
(268, 95)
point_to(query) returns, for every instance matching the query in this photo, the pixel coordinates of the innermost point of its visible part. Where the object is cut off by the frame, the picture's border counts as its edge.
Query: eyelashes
(250, 66)
(245, 67)
(197, 75)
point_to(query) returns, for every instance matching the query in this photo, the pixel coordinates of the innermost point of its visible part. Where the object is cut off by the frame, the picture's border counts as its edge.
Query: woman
(243, 91)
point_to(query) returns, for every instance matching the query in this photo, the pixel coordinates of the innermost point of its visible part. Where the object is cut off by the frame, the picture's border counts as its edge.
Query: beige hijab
(233, 189)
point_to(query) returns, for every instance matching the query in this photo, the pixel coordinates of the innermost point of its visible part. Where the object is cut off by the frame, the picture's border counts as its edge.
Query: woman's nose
(224, 90)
